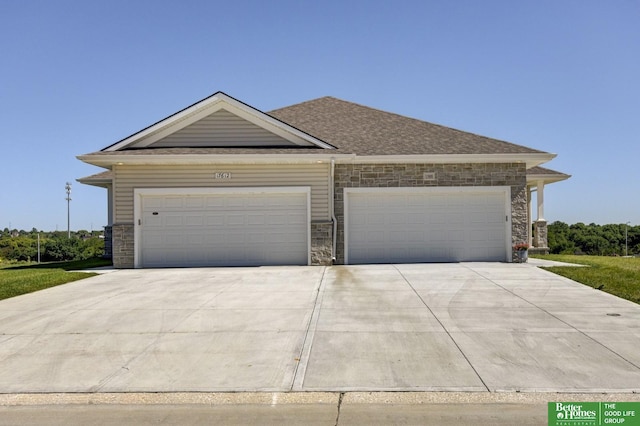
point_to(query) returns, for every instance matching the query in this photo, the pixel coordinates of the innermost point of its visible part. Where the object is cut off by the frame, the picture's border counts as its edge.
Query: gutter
(333, 211)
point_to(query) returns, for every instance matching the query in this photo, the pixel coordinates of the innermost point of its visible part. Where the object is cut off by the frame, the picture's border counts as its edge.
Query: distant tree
(18, 248)
(593, 239)
(92, 247)
(558, 238)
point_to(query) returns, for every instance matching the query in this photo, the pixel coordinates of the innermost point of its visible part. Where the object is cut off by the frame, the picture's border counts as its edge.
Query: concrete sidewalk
(306, 408)
(470, 327)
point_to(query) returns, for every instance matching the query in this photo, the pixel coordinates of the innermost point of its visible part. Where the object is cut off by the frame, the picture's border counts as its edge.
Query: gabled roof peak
(206, 107)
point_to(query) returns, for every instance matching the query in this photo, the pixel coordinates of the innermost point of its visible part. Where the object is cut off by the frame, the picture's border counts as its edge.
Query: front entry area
(416, 225)
(185, 227)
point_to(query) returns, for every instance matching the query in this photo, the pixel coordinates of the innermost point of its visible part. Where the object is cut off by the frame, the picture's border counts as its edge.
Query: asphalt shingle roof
(537, 170)
(362, 130)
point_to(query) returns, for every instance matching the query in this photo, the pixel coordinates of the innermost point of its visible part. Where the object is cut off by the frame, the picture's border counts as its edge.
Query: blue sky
(556, 75)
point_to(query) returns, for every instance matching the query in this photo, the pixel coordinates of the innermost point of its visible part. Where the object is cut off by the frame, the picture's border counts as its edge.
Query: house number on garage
(222, 175)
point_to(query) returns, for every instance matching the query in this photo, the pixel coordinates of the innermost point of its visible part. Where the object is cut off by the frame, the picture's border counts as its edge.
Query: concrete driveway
(428, 327)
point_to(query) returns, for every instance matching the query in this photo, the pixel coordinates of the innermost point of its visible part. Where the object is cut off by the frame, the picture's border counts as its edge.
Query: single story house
(221, 183)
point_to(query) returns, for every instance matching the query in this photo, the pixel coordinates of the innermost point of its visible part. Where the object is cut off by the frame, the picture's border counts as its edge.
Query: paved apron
(425, 327)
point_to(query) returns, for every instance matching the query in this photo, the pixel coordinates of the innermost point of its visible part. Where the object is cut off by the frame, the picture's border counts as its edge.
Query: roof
(206, 107)
(362, 130)
(103, 179)
(535, 174)
(324, 127)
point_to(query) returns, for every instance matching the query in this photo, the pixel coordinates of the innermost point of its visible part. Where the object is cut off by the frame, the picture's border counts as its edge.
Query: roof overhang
(546, 178)
(102, 182)
(108, 161)
(529, 159)
(206, 107)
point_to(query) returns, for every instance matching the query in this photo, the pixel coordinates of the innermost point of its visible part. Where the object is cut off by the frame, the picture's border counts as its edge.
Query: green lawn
(21, 279)
(615, 275)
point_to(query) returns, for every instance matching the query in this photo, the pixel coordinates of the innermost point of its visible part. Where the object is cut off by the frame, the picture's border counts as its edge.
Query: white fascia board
(131, 140)
(207, 107)
(531, 160)
(107, 161)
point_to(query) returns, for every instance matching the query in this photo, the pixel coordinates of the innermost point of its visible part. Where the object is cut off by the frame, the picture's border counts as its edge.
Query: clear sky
(557, 75)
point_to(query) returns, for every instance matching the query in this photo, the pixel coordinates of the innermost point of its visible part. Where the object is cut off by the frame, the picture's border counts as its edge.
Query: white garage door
(262, 226)
(406, 225)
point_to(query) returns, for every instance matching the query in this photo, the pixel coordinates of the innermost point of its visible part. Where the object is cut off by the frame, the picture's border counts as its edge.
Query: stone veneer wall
(123, 250)
(321, 243)
(108, 242)
(431, 175)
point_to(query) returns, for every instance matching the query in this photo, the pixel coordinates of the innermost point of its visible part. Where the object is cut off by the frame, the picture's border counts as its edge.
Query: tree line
(600, 240)
(16, 246)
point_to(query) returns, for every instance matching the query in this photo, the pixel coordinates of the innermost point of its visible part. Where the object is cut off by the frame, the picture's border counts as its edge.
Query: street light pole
(68, 188)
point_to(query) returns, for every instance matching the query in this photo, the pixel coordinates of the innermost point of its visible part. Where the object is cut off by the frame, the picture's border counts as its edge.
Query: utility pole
(68, 188)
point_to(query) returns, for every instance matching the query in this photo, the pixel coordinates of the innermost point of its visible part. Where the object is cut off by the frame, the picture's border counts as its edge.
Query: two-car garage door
(407, 225)
(222, 227)
(271, 226)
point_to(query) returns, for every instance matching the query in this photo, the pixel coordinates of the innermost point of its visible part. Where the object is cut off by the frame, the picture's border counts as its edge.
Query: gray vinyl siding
(202, 176)
(221, 129)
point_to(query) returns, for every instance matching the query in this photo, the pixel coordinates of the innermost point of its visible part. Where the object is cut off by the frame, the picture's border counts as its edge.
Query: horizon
(560, 77)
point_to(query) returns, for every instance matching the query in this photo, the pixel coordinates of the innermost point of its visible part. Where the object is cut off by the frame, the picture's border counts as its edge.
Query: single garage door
(407, 225)
(235, 227)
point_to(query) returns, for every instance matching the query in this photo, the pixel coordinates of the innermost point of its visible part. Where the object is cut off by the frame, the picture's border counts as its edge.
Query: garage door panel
(213, 203)
(386, 226)
(225, 229)
(214, 220)
(173, 202)
(194, 202)
(172, 221)
(235, 219)
(193, 220)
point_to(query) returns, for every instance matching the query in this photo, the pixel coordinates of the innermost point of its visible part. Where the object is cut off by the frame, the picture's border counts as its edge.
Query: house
(221, 183)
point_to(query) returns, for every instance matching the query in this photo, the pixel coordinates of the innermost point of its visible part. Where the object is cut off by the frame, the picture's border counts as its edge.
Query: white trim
(540, 200)
(138, 193)
(110, 205)
(208, 106)
(107, 161)
(506, 190)
(530, 159)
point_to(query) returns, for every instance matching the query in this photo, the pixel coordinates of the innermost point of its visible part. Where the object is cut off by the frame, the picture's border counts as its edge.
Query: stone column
(321, 242)
(529, 221)
(123, 250)
(540, 241)
(108, 243)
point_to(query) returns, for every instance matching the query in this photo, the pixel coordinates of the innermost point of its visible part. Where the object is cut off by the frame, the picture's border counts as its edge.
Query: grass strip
(22, 279)
(619, 276)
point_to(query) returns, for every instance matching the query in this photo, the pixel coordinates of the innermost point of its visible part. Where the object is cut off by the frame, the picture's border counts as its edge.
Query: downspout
(333, 212)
